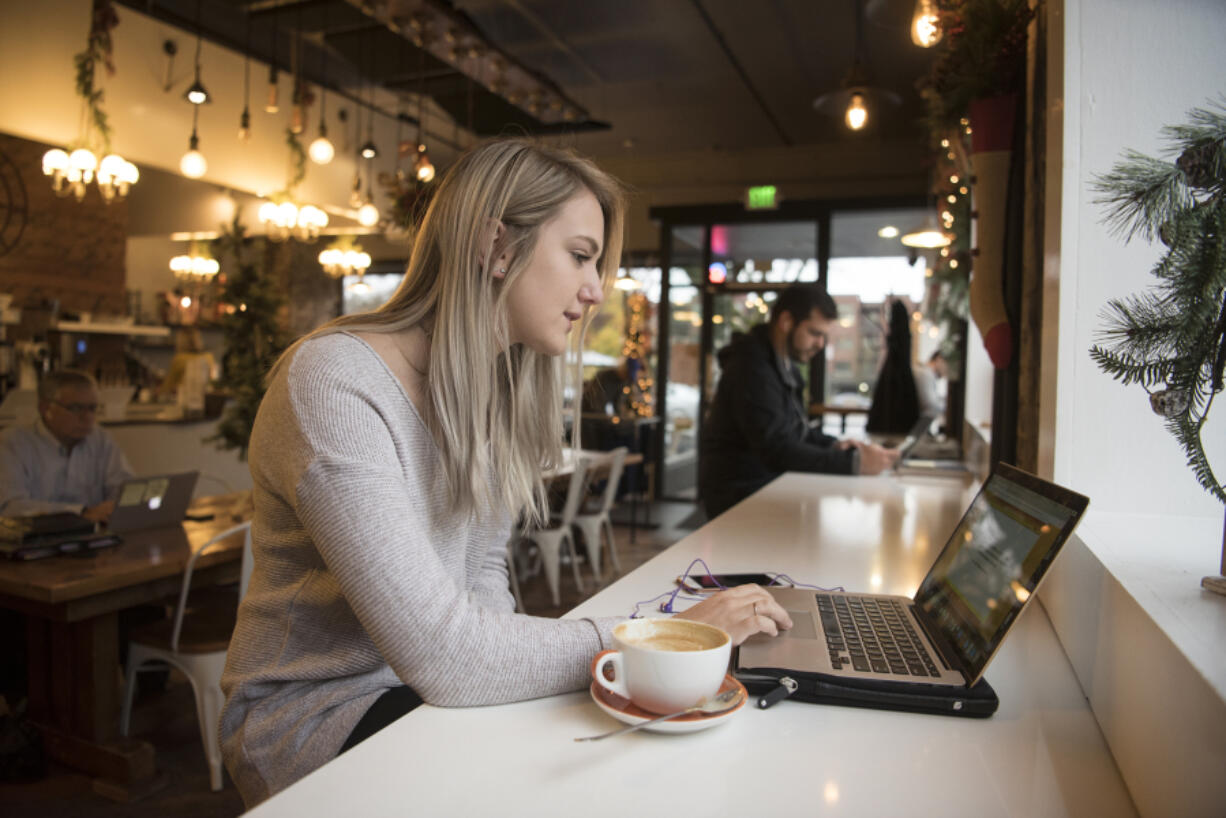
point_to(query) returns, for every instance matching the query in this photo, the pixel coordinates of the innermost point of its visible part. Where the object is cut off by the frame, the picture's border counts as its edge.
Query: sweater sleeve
(369, 525)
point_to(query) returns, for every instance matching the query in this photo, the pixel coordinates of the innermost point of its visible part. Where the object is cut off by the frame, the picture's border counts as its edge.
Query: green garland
(98, 48)
(253, 337)
(982, 55)
(1172, 339)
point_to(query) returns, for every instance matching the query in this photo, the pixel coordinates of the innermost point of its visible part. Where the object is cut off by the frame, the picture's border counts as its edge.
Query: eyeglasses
(78, 408)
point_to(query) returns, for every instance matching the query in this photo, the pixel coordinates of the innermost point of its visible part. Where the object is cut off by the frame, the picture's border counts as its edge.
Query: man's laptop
(921, 453)
(947, 634)
(153, 502)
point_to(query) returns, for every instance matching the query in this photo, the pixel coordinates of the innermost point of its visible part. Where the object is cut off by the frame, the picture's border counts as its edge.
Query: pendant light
(271, 106)
(193, 164)
(423, 168)
(321, 149)
(858, 101)
(244, 121)
(369, 150)
(196, 93)
(926, 24)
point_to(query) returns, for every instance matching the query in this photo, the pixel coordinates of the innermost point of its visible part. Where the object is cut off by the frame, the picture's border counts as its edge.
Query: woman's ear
(492, 236)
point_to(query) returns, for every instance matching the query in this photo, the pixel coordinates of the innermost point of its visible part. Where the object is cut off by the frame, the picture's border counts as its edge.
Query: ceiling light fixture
(193, 164)
(321, 149)
(927, 236)
(285, 219)
(344, 257)
(858, 101)
(423, 168)
(196, 94)
(197, 267)
(244, 120)
(71, 172)
(926, 24)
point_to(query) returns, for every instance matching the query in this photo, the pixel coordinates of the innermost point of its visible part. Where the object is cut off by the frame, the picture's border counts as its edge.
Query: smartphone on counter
(700, 583)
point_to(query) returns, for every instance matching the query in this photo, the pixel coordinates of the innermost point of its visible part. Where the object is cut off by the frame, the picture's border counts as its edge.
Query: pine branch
(1143, 194)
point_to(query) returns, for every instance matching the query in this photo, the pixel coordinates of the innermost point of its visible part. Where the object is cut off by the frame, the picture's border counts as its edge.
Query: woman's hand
(742, 611)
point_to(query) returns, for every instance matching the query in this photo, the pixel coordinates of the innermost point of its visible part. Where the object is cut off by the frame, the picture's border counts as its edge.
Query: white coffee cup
(665, 665)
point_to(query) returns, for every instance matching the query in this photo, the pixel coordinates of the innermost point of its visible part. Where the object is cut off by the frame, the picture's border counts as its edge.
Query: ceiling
(633, 77)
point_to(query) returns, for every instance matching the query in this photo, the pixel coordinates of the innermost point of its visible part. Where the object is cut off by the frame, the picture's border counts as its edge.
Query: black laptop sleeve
(774, 684)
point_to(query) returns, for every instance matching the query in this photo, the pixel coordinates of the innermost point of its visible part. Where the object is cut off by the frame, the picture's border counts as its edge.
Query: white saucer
(626, 711)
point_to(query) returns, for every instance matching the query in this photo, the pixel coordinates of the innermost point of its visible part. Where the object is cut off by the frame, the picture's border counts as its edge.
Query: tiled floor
(168, 719)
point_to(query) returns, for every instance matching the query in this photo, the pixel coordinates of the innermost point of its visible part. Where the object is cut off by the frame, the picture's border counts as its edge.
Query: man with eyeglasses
(757, 427)
(63, 461)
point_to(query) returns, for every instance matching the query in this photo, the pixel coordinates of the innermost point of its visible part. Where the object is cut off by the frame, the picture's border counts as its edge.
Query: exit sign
(762, 197)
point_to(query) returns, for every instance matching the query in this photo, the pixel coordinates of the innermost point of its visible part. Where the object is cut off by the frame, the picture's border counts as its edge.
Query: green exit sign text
(762, 197)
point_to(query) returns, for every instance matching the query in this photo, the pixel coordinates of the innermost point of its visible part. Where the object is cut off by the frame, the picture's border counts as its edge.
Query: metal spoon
(724, 701)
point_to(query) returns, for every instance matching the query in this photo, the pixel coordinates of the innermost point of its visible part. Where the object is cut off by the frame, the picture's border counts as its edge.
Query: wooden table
(71, 608)
(1041, 754)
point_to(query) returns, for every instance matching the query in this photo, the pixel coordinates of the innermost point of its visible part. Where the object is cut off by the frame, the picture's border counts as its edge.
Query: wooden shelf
(147, 330)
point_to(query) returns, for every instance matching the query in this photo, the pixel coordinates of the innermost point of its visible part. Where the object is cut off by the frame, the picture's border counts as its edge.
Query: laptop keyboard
(873, 635)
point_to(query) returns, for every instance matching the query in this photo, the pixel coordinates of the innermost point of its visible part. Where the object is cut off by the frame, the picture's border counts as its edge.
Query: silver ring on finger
(755, 609)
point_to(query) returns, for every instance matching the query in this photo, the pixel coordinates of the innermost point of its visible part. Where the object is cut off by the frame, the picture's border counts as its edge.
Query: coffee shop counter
(1041, 754)
(162, 440)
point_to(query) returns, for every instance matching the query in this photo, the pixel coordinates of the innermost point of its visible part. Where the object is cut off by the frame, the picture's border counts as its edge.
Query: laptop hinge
(945, 653)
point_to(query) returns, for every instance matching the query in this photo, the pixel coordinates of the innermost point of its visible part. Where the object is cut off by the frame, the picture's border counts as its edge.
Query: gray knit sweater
(364, 581)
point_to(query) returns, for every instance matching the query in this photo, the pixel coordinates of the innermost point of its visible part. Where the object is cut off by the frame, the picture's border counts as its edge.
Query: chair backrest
(575, 490)
(616, 461)
(244, 574)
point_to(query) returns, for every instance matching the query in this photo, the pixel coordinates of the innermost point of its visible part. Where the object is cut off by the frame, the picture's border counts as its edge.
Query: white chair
(195, 642)
(551, 540)
(596, 524)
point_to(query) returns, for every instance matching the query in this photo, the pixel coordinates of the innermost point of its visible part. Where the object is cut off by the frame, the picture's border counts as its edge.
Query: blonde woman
(390, 456)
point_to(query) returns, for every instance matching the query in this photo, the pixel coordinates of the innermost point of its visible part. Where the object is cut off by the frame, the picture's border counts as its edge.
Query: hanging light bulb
(925, 24)
(423, 168)
(193, 164)
(369, 150)
(81, 166)
(244, 126)
(321, 150)
(857, 114)
(271, 105)
(368, 214)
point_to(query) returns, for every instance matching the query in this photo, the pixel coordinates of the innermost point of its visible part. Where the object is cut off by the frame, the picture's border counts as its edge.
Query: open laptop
(153, 502)
(921, 453)
(947, 634)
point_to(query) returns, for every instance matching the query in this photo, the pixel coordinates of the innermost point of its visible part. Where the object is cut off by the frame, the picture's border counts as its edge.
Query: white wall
(1130, 66)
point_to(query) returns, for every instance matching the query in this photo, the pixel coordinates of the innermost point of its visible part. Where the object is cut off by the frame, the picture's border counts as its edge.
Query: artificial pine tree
(1172, 339)
(252, 334)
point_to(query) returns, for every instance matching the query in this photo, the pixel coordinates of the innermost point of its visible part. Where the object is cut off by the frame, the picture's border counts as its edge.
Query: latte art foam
(667, 641)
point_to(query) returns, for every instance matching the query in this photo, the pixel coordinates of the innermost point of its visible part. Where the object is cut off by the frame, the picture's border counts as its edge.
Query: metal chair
(195, 642)
(551, 540)
(596, 524)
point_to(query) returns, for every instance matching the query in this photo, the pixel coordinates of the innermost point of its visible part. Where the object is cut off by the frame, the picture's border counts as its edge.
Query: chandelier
(344, 257)
(197, 267)
(71, 172)
(286, 220)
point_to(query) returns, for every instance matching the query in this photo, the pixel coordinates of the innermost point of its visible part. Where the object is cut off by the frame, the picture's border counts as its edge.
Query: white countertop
(1041, 754)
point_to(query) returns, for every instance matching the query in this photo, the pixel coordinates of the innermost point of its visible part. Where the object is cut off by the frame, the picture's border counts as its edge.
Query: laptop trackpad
(802, 626)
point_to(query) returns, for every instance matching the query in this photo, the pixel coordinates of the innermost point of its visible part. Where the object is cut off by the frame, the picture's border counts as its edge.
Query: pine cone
(1196, 163)
(1169, 402)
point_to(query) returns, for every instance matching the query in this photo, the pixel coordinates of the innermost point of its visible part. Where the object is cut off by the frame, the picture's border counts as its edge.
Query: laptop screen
(994, 561)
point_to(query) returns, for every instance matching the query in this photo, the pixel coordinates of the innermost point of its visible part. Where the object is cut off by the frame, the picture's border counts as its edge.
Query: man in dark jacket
(757, 427)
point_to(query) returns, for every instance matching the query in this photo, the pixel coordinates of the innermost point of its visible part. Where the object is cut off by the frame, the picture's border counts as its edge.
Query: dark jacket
(757, 427)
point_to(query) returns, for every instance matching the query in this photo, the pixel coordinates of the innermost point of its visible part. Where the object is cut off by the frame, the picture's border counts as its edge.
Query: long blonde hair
(494, 409)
